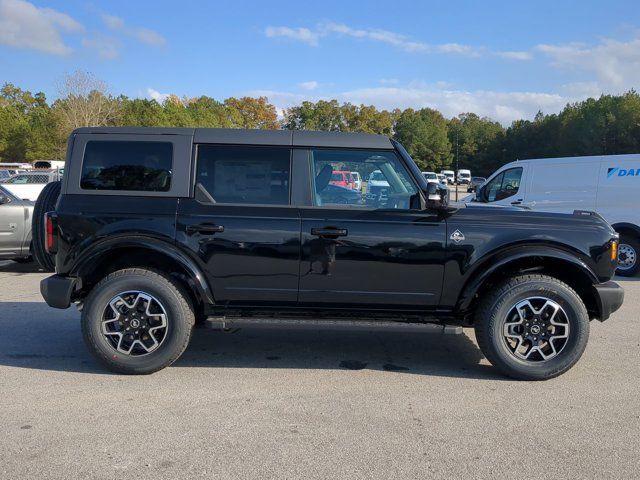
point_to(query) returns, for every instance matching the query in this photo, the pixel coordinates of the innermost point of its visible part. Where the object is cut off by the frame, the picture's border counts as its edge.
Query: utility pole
(455, 178)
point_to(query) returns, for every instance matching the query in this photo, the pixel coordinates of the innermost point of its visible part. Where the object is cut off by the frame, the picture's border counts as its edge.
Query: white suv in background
(431, 177)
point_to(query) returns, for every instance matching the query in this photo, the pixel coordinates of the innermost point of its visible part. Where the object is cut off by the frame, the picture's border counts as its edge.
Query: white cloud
(397, 40)
(615, 63)
(301, 34)
(106, 48)
(24, 25)
(156, 95)
(515, 55)
(312, 85)
(144, 35)
(501, 106)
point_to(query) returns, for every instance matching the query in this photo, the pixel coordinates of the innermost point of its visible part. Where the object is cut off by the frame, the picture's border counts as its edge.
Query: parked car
(343, 179)
(464, 176)
(430, 177)
(28, 185)
(450, 175)
(475, 183)
(606, 184)
(442, 179)
(357, 180)
(15, 227)
(212, 236)
(377, 183)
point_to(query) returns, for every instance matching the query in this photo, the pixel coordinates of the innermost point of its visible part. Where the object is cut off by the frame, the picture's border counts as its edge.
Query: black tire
(179, 318)
(46, 203)
(629, 245)
(493, 312)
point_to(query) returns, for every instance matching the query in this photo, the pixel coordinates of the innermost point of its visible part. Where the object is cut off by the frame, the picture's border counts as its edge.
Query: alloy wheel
(135, 323)
(536, 329)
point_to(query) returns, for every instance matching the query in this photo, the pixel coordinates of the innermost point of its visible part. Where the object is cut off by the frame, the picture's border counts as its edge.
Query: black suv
(156, 229)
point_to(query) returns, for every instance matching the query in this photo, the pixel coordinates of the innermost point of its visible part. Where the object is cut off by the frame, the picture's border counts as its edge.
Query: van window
(245, 175)
(504, 185)
(126, 165)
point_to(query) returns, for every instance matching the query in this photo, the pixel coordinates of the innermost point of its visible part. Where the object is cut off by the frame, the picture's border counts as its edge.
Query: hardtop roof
(231, 136)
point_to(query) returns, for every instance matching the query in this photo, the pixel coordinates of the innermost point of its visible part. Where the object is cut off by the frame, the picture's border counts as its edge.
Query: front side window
(127, 165)
(386, 182)
(245, 175)
(504, 185)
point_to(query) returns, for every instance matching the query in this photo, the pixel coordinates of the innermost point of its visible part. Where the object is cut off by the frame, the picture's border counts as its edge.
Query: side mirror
(479, 195)
(3, 199)
(437, 195)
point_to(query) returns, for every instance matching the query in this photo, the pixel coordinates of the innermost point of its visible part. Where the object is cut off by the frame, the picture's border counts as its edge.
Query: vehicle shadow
(37, 337)
(10, 266)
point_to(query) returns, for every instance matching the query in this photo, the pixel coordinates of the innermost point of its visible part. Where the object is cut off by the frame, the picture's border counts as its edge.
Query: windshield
(377, 177)
(430, 176)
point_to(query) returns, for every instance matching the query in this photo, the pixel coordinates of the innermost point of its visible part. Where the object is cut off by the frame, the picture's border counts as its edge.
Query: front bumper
(57, 290)
(609, 297)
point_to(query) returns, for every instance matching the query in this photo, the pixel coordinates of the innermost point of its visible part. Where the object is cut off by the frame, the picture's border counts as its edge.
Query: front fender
(97, 250)
(492, 263)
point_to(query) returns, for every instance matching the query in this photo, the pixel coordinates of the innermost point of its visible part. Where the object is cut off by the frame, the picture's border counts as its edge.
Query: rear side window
(245, 175)
(122, 165)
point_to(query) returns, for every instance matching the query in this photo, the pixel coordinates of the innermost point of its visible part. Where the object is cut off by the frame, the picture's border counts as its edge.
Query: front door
(369, 248)
(242, 226)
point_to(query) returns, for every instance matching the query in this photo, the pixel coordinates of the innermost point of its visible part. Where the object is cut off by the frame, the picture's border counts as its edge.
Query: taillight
(50, 233)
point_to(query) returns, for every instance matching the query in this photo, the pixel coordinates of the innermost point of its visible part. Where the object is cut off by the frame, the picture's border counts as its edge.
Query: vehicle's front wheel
(628, 251)
(532, 327)
(137, 321)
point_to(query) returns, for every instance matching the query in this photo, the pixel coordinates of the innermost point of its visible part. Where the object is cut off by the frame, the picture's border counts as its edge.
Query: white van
(451, 179)
(606, 184)
(464, 176)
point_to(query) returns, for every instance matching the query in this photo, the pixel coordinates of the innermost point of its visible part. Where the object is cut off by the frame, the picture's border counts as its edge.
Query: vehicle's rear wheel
(532, 327)
(46, 203)
(628, 251)
(137, 321)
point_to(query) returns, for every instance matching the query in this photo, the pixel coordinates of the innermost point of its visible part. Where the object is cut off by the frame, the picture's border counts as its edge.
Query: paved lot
(283, 404)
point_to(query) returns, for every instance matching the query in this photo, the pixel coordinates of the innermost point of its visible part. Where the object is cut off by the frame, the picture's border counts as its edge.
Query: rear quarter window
(127, 165)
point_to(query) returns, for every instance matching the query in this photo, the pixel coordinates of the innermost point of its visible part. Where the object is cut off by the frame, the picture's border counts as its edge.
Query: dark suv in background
(156, 229)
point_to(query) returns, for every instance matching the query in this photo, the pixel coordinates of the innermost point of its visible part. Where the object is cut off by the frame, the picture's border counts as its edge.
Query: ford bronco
(157, 229)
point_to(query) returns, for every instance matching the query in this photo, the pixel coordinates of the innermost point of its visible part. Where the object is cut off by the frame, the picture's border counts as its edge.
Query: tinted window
(248, 175)
(389, 184)
(136, 166)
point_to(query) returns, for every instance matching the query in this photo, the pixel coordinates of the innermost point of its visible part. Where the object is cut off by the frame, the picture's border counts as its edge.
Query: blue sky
(506, 60)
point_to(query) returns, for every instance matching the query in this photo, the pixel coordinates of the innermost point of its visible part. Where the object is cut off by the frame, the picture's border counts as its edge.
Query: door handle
(329, 232)
(517, 202)
(205, 229)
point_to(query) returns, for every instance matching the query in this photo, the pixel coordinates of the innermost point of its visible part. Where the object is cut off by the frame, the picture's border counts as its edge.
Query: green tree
(424, 134)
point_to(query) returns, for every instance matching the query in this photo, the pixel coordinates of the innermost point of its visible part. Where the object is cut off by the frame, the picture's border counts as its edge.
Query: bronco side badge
(457, 236)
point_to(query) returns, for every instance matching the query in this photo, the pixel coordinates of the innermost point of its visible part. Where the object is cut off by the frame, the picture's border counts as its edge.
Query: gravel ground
(290, 403)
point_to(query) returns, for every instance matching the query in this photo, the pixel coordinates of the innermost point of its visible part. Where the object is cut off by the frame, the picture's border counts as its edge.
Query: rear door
(369, 248)
(241, 224)
(12, 224)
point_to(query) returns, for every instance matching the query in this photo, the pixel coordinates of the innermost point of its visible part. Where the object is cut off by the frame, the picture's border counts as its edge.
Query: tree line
(31, 128)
